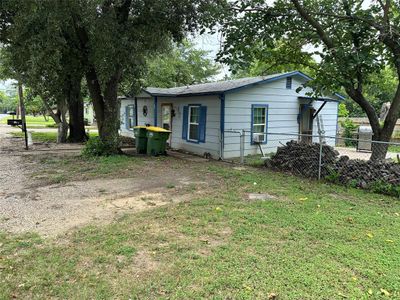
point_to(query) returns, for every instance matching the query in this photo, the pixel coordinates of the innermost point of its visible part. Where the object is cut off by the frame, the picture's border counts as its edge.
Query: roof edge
(285, 75)
(289, 74)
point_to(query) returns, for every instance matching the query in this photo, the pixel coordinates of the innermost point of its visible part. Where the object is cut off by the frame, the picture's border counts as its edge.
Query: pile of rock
(363, 173)
(303, 159)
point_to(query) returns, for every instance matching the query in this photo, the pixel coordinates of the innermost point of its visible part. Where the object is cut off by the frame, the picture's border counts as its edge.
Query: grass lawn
(313, 241)
(34, 122)
(45, 137)
(394, 148)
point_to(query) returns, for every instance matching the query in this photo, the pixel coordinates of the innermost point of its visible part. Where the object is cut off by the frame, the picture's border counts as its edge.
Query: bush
(348, 131)
(383, 187)
(343, 111)
(96, 147)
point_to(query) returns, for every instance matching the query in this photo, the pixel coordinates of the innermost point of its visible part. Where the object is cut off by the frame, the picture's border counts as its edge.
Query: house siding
(283, 108)
(212, 140)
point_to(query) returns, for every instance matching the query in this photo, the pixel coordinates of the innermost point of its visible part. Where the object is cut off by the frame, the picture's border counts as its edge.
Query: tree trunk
(111, 124)
(379, 150)
(59, 118)
(62, 125)
(62, 132)
(107, 109)
(77, 132)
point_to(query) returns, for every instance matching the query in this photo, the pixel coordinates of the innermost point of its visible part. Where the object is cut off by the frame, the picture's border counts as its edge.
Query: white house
(207, 118)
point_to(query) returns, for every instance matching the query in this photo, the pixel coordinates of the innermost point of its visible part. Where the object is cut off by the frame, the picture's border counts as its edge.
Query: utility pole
(22, 111)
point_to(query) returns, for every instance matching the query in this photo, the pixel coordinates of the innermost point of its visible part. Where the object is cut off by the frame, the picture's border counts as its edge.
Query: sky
(211, 43)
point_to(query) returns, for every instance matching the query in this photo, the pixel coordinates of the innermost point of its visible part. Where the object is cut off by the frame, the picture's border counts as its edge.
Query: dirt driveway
(29, 203)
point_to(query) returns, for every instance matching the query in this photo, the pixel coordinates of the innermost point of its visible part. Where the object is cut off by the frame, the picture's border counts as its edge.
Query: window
(259, 123)
(289, 83)
(194, 123)
(130, 117)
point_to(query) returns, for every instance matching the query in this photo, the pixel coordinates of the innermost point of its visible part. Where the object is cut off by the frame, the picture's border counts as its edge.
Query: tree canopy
(182, 65)
(51, 44)
(351, 42)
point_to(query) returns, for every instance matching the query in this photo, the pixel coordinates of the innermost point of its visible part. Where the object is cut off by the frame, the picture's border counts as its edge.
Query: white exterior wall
(329, 115)
(123, 130)
(149, 119)
(212, 144)
(283, 109)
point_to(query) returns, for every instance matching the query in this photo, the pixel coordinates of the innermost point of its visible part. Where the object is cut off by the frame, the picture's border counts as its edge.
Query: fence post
(242, 142)
(320, 159)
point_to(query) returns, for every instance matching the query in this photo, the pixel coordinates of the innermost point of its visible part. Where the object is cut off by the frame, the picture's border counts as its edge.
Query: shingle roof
(220, 86)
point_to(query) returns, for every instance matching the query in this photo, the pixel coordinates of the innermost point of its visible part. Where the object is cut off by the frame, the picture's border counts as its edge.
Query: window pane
(194, 132)
(130, 120)
(259, 128)
(166, 112)
(130, 111)
(194, 114)
(259, 115)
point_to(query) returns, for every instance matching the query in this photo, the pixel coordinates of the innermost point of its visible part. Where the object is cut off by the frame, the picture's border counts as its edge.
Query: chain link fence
(357, 162)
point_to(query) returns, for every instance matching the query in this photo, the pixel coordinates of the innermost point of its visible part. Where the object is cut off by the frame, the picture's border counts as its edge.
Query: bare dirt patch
(54, 209)
(29, 202)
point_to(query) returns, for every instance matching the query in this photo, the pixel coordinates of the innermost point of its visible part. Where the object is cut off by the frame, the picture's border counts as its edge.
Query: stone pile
(303, 159)
(362, 173)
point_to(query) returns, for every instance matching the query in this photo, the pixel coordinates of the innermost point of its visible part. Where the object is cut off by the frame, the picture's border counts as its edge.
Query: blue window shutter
(202, 124)
(185, 120)
(127, 117)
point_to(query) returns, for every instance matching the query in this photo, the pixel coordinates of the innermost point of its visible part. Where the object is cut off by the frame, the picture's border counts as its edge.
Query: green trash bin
(157, 140)
(140, 139)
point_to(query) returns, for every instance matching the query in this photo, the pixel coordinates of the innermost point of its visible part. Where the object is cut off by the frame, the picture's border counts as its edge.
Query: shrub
(343, 111)
(383, 187)
(333, 175)
(348, 131)
(96, 147)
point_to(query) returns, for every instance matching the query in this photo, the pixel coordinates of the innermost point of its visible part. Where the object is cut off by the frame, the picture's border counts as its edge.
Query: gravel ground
(12, 178)
(28, 206)
(354, 154)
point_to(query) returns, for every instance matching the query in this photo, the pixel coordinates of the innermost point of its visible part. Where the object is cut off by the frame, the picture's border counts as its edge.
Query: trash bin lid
(364, 129)
(157, 129)
(140, 126)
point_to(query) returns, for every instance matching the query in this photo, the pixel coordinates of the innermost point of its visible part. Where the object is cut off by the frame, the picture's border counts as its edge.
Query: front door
(306, 123)
(166, 111)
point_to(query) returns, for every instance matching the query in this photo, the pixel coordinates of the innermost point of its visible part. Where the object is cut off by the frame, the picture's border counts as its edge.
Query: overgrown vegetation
(349, 130)
(97, 147)
(222, 246)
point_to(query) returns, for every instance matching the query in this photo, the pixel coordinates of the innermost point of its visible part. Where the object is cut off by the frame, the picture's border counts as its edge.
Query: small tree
(352, 43)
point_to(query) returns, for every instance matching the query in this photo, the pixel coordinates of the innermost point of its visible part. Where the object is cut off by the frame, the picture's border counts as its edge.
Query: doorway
(306, 122)
(166, 119)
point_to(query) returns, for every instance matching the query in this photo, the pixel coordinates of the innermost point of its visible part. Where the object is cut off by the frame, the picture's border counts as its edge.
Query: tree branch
(314, 23)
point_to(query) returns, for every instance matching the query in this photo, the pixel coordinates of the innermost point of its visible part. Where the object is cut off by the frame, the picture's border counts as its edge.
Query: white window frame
(193, 123)
(131, 118)
(264, 124)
